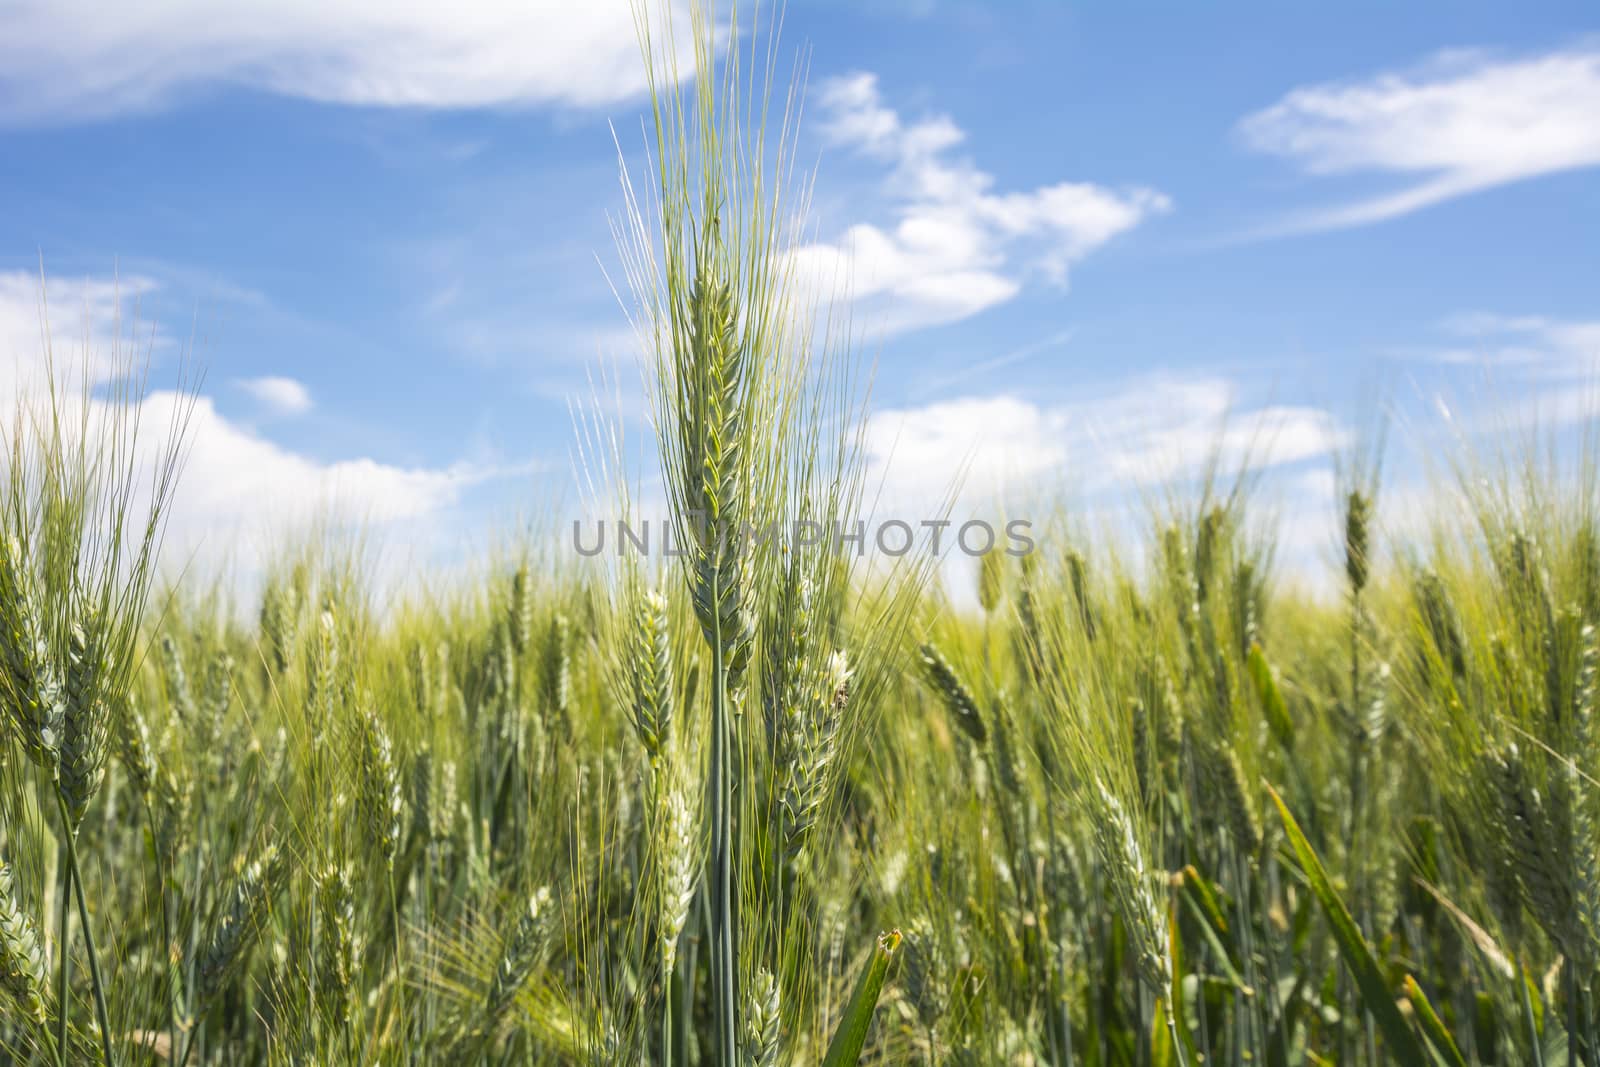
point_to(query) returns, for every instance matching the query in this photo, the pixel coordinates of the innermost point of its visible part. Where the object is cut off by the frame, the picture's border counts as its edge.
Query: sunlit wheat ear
(650, 674)
(761, 1021)
(679, 857)
(1122, 858)
(32, 683)
(522, 952)
(813, 745)
(337, 946)
(380, 798)
(244, 917)
(957, 698)
(24, 975)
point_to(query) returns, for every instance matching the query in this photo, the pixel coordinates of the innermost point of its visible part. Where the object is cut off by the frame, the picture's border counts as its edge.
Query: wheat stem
(724, 977)
(75, 878)
(63, 931)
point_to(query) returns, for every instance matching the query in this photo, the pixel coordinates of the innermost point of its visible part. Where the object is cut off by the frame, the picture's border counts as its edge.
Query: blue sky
(1079, 234)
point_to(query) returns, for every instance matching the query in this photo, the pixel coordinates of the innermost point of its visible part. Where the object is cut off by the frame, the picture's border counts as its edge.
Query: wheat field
(763, 803)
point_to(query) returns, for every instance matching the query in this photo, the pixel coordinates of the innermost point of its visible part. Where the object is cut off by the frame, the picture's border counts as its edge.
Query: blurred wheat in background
(760, 805)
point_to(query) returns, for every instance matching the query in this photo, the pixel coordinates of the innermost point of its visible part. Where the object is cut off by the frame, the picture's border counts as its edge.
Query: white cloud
(237, 485)
(77, 58)
(278, 396)
(1463, 122)
(956, 247)
(239, 492)
(1106, 450)
(1140, 432)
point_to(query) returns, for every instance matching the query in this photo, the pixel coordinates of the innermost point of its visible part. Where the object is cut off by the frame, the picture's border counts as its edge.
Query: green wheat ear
(522, 952)
(1357, 524)
(1122, 857)
(337, 946)
(86, 726)
(811, 747)
(32, 684)
(380, 796)
(991, 581)
(556, 667)
(24, 975)
(520, 610)
(679, 853)
(649, 653)
(243, 919)
(714, 380)
(762, 1021)
(957, 698)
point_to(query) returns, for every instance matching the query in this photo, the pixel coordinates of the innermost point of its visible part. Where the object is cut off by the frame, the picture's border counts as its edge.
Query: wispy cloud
(278, 396)
(1534, 347)
(1464, 121)
(66, 59)
(1539, 372)
(929, 386)
(956, 246)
